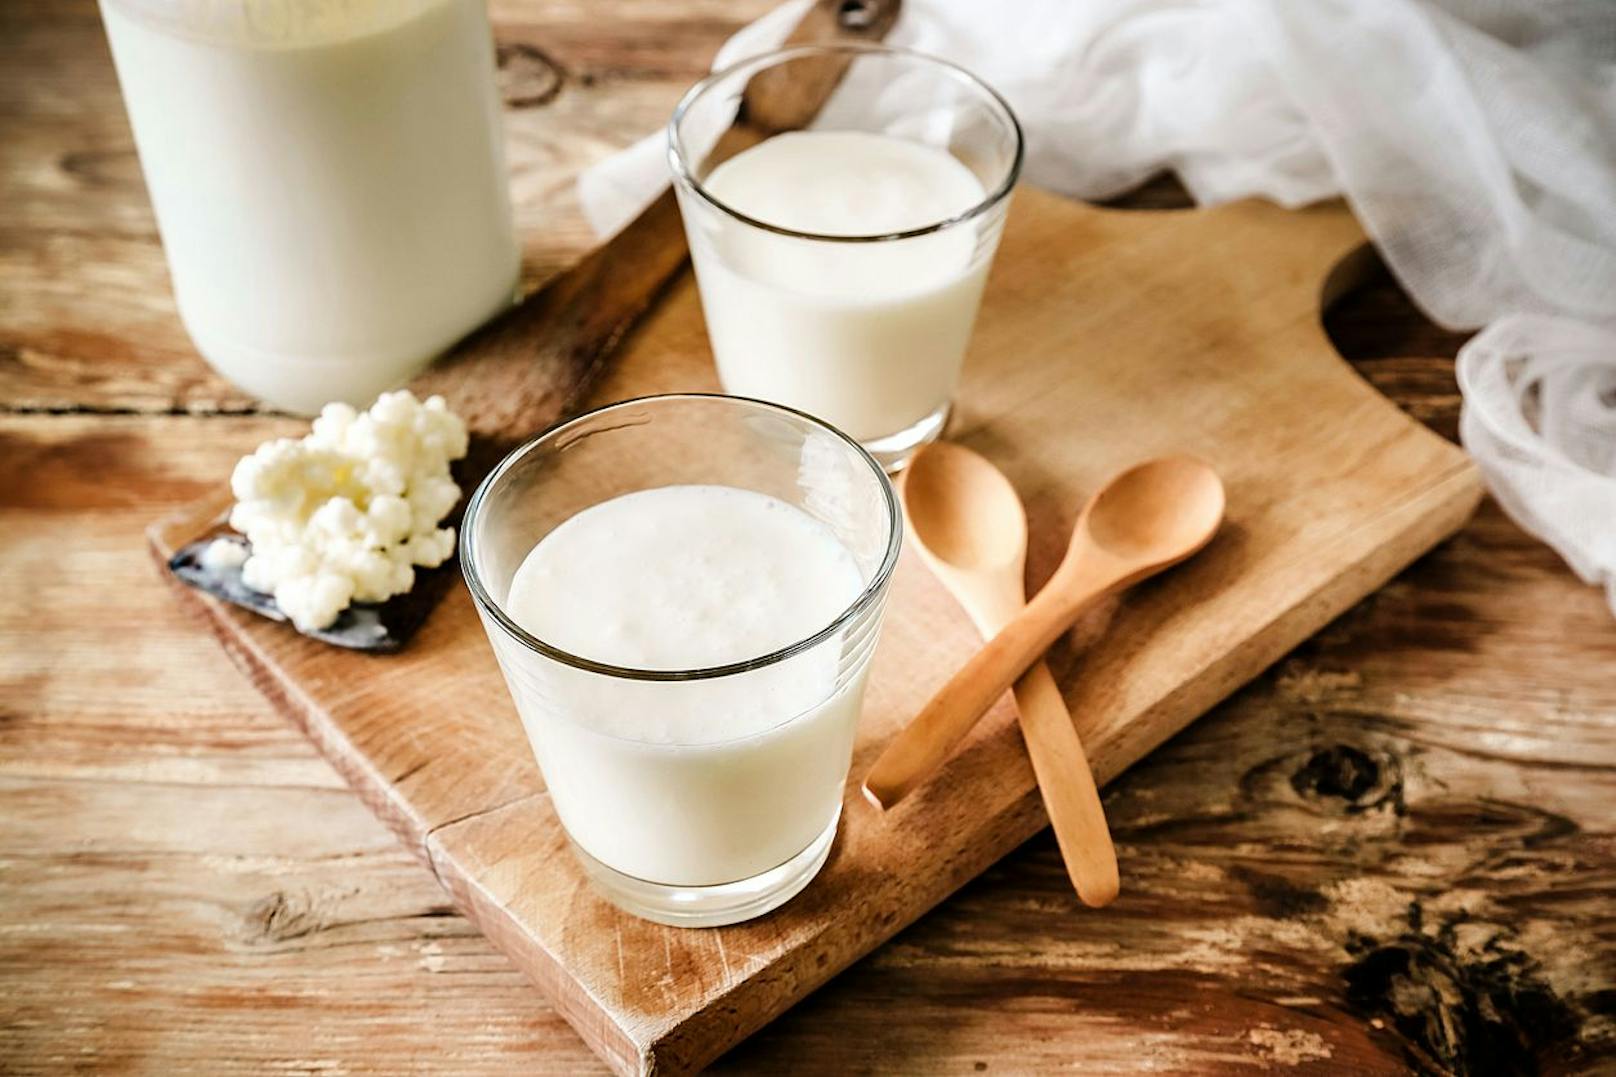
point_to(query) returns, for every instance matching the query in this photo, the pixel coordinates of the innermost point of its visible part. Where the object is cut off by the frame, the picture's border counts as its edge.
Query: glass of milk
(841, 266)
(329, 182)
(684, 593)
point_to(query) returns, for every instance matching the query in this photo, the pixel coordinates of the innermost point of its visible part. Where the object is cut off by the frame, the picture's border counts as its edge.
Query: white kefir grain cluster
(347, 513)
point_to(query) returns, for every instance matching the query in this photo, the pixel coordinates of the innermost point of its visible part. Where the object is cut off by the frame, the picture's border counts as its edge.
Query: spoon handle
(922, 745)
(1067, 786)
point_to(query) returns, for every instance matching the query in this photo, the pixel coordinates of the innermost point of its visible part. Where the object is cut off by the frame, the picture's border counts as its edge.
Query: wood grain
(1290, 858)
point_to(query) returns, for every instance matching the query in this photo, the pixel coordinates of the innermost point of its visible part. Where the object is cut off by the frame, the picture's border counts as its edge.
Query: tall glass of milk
(684, 594)
(841, 267)
(329, 182)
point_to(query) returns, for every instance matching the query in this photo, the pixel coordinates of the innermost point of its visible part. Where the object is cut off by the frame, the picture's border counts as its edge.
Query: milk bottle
(328, 179)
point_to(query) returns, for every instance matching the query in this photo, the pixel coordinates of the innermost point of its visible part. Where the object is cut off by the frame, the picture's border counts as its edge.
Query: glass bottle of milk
(329, 181)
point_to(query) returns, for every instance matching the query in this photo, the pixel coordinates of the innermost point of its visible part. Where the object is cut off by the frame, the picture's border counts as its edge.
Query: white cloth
(1540, 418)
(1475, 140)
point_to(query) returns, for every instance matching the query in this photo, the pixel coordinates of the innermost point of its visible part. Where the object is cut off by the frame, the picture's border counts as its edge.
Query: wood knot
(1338, 771)
(1334, 779)
(281, 916)
(1460, 1008)
(1349, 778)
(857, 14)
(103, 168)
(528, 77)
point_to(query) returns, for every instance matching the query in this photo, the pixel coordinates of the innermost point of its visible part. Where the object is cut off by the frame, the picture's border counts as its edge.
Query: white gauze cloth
(1540, 418)
(1475, 140)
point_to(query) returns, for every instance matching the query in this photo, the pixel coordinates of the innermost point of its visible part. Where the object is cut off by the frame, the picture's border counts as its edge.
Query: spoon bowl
(1162, 510)
(962, 510)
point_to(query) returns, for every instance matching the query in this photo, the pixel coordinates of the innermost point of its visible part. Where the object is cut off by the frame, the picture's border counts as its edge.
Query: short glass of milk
(684, 593)
(329, 181)
(841, 266)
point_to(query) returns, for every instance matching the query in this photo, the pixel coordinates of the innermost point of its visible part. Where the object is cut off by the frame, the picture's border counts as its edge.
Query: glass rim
(685, 176)
(867, 597)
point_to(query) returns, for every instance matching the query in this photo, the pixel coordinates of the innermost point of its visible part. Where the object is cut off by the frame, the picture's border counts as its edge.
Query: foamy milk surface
(870, 335)
(849, 183)
(691, 577)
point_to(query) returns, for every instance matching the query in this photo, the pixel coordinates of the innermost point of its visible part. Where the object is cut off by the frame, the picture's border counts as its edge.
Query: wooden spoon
(978, 549)
(1146, 519)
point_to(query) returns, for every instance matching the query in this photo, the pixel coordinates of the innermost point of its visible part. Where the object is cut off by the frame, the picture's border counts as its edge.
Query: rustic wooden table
(1394, 850)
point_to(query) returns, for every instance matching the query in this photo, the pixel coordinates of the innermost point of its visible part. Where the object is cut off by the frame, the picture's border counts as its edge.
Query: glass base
(893, 451)
(712, 906)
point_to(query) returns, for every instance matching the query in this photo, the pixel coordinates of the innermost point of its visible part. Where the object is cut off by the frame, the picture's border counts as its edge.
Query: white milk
(867, 336)
(699, 782)
(328, 179)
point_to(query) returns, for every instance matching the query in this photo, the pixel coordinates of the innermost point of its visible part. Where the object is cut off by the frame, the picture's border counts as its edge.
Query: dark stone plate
(380, 628)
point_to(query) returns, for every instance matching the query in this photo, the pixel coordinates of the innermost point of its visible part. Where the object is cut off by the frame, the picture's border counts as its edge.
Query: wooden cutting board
(1105, 336)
